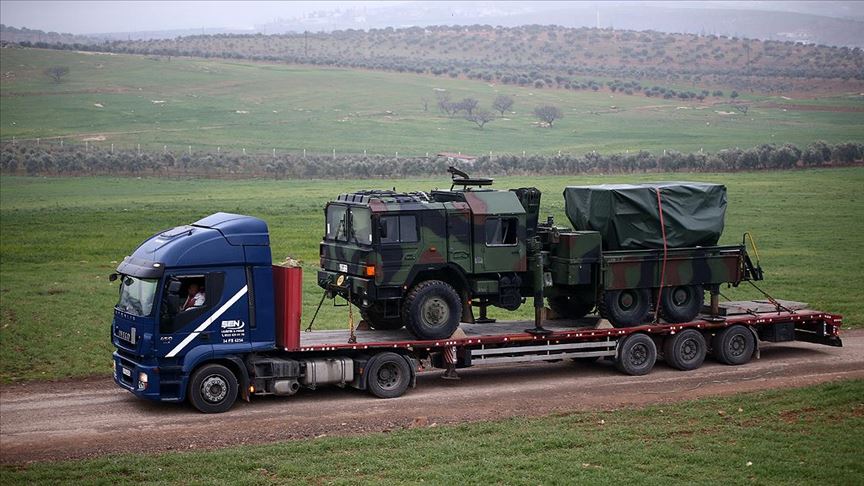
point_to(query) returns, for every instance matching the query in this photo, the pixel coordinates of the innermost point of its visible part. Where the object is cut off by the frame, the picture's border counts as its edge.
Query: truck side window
(397, 229)
(182, 299)
(501, 231)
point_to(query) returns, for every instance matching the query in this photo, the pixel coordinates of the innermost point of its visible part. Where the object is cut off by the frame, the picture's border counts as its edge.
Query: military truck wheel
(681, 303)
(734, 345)
(626, 307)
(569, 306)
(212, 389)
(636, 355)
(432, 310)
(685, 350)
(374, 316)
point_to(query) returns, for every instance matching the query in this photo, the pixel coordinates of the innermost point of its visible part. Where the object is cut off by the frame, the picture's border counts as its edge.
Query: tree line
(51, 160)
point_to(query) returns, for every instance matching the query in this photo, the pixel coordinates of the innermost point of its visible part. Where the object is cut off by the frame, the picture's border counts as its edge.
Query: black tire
(570, 306)
(734, 345)
(432, 310)
(636, 355)
(686, 350)
(374, 316)
(681, 303)
(388, 376)
(213, 389)
(626, 307)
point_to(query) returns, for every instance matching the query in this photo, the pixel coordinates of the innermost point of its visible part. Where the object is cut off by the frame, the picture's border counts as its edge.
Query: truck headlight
(142, 381)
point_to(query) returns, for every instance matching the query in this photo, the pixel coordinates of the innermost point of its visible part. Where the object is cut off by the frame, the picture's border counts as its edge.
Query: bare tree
(468, 105)
(445, 105)
(548, 114)
(741, 108)
(480, 117)
(502, 103)
(56, 73)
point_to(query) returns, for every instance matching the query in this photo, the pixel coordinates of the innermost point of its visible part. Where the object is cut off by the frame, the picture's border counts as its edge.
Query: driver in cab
(194, 297)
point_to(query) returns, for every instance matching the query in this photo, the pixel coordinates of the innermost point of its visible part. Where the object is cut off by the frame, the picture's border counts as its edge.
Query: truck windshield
(136, 295)
(344, 224)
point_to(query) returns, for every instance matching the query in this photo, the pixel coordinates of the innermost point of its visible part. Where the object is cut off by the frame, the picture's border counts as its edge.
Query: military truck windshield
(349, 224)
(337, 222)
(361, 226)
(136, 295)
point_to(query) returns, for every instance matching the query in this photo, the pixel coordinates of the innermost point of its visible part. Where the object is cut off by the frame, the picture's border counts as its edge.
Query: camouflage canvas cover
(627, 215)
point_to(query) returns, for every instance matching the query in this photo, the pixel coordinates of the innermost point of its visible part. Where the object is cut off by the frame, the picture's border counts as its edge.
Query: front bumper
(359, 288)
(160, 386)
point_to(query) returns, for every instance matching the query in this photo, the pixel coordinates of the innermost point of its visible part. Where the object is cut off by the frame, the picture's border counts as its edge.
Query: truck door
(500, 244)
(203, 308)
(459, 238)
(399, 242)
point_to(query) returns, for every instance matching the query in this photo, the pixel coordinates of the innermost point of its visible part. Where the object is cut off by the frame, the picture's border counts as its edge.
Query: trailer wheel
(388, 376)
(626, 307)
(374, 316)
(433, 310)
(570, 306)
(686, 350)
(734, 345)
(636, 355)
(681, 303)
(213, 389)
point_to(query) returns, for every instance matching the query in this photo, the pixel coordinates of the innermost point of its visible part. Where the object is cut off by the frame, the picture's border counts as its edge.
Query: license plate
(127, 372)
(343, 268)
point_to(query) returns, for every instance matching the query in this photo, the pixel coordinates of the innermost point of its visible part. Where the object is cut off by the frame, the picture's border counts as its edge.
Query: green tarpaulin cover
(627, 216)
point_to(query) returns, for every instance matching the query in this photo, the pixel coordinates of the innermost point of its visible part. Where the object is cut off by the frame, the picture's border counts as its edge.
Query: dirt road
(46, 421)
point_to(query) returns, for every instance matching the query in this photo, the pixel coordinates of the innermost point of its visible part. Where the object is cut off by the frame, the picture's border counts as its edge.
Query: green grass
(801, 436)
(291, 108)
(61, 237)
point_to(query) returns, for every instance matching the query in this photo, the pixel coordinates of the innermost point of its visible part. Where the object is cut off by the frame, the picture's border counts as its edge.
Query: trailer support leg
(715, 305)
(483, 319)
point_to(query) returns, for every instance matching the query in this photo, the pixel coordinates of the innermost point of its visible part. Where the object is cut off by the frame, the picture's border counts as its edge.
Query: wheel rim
(627, 300)
(737, 345)
(689, 349)
(389, 375)
(680, 296)
(435, 312)
(639, 355)
(214, 388)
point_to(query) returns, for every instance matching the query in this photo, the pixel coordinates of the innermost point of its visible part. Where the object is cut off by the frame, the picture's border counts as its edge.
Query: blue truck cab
(189, 296)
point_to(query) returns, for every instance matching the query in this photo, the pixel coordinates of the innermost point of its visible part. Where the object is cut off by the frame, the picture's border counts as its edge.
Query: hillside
(185, 104)
(540, 56)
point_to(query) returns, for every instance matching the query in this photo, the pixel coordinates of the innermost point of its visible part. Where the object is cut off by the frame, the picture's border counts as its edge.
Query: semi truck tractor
(204, 315)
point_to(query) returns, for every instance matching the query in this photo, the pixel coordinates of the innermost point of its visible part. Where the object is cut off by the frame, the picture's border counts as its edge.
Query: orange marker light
(370, 270)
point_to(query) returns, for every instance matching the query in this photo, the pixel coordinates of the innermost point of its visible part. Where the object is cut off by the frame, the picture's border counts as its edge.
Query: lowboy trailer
(245, 339)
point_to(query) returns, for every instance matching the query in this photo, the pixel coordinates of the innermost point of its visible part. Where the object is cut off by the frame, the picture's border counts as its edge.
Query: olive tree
(548, 114)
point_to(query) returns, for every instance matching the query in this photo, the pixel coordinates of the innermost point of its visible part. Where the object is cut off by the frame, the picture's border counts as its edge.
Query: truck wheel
(681, 303)
(374, 316)
(388, 376)
(212, 388)
(636, 355)
(569, 306)
(626, 307)
(686, 350)
(734, 345)
(433, 310)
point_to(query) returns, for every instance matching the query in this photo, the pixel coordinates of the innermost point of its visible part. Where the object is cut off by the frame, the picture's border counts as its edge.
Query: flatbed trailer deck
(590, 337)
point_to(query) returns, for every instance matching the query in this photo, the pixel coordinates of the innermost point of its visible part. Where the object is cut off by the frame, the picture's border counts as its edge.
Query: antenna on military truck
(460, 178)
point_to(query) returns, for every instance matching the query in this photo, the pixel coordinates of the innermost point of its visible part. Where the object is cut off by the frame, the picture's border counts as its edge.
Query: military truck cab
(419, 259)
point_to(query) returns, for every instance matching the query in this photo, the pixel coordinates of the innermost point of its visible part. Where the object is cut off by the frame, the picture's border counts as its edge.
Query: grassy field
(778, 437)
(60, 238)
(129, 100)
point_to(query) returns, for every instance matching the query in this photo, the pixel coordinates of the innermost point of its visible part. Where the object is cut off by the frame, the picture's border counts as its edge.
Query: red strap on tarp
(665, 249)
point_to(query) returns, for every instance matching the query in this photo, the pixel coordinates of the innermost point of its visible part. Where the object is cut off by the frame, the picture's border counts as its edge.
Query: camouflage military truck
(424, 260)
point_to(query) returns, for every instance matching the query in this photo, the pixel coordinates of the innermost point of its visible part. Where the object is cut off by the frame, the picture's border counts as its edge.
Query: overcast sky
(89, 17)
